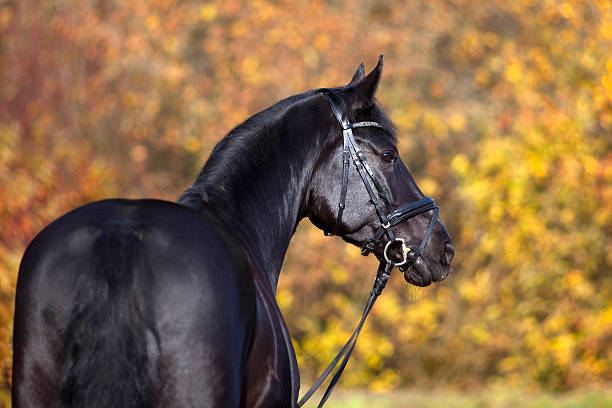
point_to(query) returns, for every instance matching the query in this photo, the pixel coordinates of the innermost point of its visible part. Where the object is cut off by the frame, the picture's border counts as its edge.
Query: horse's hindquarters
(132, 303)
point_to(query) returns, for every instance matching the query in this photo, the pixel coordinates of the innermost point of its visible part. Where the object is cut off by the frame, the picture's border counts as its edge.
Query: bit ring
(405, 250)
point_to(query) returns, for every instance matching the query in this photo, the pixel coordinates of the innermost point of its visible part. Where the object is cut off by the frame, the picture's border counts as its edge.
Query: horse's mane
(245, 148)
(239, 153)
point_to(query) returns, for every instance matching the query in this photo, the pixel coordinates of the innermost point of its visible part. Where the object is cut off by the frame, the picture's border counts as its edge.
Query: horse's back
(132, 303)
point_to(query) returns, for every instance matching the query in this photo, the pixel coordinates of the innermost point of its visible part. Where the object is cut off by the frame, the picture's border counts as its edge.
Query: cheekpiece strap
(365, 171)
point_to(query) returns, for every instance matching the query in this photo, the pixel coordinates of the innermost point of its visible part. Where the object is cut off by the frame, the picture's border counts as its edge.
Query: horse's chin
(417, 273)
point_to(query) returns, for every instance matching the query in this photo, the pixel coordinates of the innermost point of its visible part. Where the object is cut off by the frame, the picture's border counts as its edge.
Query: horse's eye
(388, 156)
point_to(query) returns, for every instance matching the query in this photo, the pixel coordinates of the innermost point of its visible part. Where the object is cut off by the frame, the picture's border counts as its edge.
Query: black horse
(148, 303)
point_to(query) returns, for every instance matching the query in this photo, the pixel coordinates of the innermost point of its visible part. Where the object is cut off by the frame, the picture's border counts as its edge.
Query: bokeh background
(504, 111)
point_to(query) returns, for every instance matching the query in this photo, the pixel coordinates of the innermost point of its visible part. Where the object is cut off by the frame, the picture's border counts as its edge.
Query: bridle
(388, 219)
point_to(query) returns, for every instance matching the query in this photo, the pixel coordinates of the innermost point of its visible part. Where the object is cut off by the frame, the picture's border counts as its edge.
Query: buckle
(369, 245)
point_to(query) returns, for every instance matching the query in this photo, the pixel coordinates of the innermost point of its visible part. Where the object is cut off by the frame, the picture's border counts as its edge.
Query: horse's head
(362, 191)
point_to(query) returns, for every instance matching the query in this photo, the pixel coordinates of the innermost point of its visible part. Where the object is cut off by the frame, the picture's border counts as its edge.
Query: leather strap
(382, 276)
(388, 219)
(361, 164)
(346, 157)
(421, 247)
(410, 210)
(400, 215)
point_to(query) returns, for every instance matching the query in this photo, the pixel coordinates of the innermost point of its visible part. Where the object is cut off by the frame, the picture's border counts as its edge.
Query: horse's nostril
(449, 252)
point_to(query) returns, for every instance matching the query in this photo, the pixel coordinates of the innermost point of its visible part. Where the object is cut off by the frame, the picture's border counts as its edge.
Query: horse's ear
(368, 85)
(359, 74)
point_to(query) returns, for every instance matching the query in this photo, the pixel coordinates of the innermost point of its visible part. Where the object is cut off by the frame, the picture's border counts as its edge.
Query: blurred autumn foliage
(504, 110)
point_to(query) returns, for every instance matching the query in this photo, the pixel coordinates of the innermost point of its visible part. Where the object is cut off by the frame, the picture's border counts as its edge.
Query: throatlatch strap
(382, 276)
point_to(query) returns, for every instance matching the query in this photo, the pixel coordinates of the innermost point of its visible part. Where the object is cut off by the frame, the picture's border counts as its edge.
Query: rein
(382, 276)
(388, 219)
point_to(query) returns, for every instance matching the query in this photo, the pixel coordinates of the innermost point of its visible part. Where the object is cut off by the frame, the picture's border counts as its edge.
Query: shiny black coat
(147, 303)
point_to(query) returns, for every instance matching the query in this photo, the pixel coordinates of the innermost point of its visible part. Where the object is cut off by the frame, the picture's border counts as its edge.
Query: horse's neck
(264, 198)
(268, 211)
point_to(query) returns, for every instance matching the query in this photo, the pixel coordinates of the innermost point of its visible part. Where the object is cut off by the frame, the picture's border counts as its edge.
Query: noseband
(388, 218)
